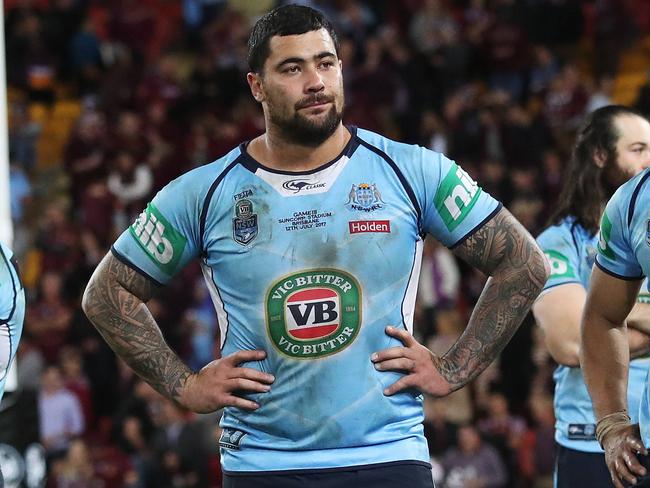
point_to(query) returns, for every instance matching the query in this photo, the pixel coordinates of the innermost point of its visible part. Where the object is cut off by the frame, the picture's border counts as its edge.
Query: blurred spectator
(76, 470)
(544, 69)
(201, 321)
(49, 317)
(439, 284)
(131, 183)
(85, 153)
(536, 453)
(504, 431)
(31, 59)
(29, 363)
(20, 192)
(57, 238)
(75, 381)
(23, 135)
(601, 94)
(473, 463)
(98, 217)
(86, 58)
(181, 454)
(60, 415)
(507, 51)
(439, 431)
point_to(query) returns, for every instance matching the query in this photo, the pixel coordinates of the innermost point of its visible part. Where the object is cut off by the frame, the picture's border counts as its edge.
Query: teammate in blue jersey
(622, 262)
(604, 157)
(310, 239)
(12, 314)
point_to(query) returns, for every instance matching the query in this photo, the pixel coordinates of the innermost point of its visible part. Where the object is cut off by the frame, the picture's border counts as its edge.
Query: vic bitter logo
(313, 313)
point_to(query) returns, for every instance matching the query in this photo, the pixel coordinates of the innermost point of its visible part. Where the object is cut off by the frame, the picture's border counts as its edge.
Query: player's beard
(613, 177)
(304, 131)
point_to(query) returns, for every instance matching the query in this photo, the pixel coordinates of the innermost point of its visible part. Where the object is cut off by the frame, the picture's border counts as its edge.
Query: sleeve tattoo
(518, 270)
(114, 302)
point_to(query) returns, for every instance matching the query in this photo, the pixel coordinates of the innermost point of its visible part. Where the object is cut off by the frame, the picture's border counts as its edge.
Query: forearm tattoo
(503, 249)
(114, 302)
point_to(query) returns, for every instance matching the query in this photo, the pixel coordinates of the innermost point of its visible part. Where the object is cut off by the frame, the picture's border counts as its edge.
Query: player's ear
(255, 84)
(600, 158)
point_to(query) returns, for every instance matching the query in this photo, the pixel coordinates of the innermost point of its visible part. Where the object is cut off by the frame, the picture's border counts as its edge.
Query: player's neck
(275, 152)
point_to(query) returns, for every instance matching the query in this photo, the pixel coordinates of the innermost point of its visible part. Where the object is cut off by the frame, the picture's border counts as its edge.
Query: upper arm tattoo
(503, 249)
(114, 303)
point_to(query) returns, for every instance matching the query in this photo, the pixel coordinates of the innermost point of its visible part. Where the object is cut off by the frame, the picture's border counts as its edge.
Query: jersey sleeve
(615, 255)
(165, 236)
(563, 256)
(453, 205)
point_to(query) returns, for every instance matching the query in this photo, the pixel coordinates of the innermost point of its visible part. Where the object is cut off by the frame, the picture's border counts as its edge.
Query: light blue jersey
(624, 251)
(571, 251)
(12, 312)
(311, 267)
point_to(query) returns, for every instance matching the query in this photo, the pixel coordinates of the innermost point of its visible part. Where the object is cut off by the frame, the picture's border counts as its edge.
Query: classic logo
(560, 265)
(365, 197)
(604, 237)
(313, 313)
(456, 196)
(157, 237)
(296, 186)
(362, 226)
(244, 225)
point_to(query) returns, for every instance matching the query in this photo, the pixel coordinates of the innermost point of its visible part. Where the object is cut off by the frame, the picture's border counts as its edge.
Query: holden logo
(296, 186)
(314, 313)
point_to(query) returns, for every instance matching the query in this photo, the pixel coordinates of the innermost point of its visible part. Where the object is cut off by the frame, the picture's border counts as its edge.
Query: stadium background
(109, 100)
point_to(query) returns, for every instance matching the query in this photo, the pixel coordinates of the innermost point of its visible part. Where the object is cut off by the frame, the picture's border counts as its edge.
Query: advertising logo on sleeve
(560, 265)
(157, 237)
(315, 313)
(605, 236)
(456, 196)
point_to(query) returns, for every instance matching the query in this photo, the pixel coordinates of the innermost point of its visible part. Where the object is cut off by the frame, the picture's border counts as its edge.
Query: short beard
(303, 132)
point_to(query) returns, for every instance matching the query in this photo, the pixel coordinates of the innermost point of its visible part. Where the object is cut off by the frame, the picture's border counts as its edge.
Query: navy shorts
(385, 475)
(577, 469)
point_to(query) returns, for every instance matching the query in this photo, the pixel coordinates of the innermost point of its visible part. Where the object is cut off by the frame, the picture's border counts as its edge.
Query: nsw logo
(313, 313)
(296, 186)
(365, 197)
(162, 243)
(244, 225)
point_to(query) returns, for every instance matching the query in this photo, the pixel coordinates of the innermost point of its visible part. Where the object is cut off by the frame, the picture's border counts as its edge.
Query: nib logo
(161, 242)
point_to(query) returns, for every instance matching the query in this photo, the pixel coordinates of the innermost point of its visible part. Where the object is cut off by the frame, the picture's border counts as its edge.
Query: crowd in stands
(110, 100)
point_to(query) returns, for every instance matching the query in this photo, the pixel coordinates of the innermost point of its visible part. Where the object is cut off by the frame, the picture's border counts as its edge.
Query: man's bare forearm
(114, 302)
(503, 249)
(604, 359)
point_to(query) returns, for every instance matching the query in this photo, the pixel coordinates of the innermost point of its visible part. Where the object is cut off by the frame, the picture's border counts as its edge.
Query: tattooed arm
(114, 302)
(503, 249)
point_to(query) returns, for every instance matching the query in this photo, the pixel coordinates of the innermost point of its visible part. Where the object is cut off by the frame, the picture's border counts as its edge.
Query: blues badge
(364, 197)
(244, 225)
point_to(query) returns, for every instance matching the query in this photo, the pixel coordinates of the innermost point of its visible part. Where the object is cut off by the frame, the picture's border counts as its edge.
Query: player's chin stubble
(303, 131)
